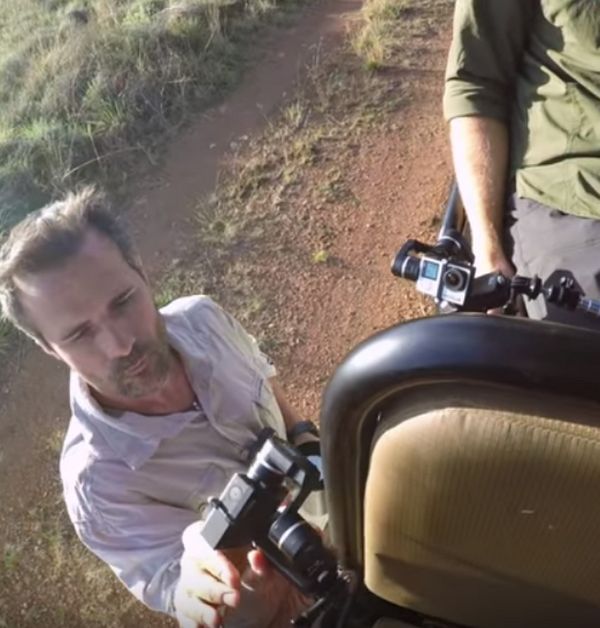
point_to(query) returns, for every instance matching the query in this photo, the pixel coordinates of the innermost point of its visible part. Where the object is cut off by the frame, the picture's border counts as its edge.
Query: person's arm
(489, 39)
(158, 553)
(141, 543)
(480, 156)
(290, 415)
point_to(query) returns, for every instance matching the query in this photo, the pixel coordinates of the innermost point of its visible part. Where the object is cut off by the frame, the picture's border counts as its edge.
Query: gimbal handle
(494, 290)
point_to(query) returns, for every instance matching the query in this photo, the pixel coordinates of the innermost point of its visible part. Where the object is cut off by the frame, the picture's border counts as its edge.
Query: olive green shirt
(536, 65)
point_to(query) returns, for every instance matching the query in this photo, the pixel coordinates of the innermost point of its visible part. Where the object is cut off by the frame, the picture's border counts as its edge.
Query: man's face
(96, 314)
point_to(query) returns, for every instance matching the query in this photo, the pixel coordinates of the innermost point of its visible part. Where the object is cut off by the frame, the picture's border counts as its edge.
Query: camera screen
(430, 270)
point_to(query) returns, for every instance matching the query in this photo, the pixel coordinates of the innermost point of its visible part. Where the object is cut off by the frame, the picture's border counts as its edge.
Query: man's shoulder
(198, 320)
(192, 304)
(198, 313)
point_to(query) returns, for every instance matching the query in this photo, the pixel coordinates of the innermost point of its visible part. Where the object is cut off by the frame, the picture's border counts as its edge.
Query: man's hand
(493, 260)
(209, 583)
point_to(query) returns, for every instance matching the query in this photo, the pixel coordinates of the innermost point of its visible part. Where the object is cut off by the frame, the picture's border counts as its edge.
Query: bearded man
(165, 407)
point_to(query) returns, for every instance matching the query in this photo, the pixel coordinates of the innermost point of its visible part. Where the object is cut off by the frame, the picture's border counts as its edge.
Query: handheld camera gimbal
(445, 271)
(260, 508)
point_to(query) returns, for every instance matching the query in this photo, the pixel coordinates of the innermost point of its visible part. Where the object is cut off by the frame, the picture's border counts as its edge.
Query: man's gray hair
(48, 237)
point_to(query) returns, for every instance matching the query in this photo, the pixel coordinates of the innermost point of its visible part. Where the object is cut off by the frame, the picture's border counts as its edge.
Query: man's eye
(79, 334)
(123, 300)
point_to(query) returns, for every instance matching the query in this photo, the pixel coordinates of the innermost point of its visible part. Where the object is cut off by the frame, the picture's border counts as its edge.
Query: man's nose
(116, 342)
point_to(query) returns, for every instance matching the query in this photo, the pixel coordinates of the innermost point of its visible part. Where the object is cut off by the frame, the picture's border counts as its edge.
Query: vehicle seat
(465, 484)
(486, 517)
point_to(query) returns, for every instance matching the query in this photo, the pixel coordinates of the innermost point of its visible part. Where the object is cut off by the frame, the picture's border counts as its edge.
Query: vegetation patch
(87, 86)
(69, 569)
(386, 26)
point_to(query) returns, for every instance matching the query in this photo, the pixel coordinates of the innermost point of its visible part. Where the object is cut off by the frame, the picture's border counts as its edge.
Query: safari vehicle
(462, 465)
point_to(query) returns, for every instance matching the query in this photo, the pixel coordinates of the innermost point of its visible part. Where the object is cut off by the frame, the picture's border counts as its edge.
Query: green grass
(10, 558)
(88, 87)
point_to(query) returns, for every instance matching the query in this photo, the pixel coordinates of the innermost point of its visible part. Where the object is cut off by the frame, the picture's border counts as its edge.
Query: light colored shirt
(132, 482)
(534, 64)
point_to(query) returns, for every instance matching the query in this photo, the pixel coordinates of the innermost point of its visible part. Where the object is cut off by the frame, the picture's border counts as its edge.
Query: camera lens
(303, 546)
(455, 279)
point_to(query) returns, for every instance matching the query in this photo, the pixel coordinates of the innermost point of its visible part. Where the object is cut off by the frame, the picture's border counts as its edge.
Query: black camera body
(260, 508)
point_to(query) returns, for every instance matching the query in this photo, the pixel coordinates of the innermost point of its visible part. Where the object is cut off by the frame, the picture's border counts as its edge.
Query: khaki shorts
(549, 243)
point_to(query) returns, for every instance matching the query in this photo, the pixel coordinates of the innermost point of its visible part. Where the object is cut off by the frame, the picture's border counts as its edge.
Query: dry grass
(374, 41)
(87, 87)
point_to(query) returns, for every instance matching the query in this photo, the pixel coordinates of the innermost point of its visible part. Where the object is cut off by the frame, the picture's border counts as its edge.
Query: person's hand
(209, 583)
(277, 592)
(491, 260)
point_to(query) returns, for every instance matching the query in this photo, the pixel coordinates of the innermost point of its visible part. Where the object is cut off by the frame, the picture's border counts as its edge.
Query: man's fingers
(212, 593)
(199, 555)
(259, 563)
(209, 583)
(192, 613)
(222, 569)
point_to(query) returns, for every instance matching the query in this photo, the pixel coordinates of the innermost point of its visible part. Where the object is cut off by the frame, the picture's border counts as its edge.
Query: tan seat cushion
(489, 518)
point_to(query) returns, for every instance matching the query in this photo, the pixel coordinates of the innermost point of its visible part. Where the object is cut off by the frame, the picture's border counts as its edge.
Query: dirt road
(318, 277)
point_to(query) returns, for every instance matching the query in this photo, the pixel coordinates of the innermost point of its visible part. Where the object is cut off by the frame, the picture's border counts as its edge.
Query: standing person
(165, 405)
(522, 96)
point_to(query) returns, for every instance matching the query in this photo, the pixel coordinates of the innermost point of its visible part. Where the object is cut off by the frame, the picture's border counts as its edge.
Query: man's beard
(158, 362)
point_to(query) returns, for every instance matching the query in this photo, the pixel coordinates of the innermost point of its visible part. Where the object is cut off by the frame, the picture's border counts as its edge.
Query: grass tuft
(86, 87)
(10, 558)
(320, 257)
(375, 41)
